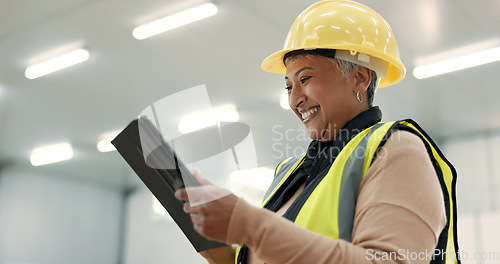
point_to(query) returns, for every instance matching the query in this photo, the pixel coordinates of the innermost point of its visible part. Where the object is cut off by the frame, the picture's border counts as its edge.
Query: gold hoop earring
(359, 97)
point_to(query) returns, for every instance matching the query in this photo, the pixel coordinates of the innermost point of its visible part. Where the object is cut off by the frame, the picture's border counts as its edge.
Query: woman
(365, 191)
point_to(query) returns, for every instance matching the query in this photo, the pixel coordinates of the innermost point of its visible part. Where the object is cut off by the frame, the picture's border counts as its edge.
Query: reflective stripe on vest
(330, 208)
(449, 176)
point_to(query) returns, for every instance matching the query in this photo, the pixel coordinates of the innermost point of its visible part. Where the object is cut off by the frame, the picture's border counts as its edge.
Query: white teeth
(308, 113)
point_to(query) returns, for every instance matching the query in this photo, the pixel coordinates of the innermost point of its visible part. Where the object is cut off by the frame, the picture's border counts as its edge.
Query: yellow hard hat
(356, 33)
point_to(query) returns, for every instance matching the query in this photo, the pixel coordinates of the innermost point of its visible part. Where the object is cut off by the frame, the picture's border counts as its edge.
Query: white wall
(476, 160)
(47, 219)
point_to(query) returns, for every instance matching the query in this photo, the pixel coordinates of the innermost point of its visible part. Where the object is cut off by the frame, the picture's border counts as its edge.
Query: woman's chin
(323, 135)
(313, 133)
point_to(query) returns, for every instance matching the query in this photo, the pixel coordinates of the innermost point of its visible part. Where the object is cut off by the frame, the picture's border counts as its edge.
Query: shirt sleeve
(399, 216)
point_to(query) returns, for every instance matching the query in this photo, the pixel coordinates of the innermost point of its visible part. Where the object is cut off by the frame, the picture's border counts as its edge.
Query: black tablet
(158, 166)
(160, 155)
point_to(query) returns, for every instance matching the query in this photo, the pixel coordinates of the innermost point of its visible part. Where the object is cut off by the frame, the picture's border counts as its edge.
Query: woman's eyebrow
(301, 70)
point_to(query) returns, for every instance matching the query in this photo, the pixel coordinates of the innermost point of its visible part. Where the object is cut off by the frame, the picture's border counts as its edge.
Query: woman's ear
(363, 79)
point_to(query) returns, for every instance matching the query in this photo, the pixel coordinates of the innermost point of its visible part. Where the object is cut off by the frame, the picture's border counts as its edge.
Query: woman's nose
(296, 97)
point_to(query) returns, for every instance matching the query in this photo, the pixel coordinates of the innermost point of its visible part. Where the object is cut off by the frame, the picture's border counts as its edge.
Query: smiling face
(321, 98)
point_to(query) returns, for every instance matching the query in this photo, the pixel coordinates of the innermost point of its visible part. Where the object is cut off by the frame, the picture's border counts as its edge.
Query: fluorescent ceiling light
(58, 63)
(196, 121)
(259, 178)
(51, 154)
(175, 20)
(285, 104)
(461, 62)
(104, 145)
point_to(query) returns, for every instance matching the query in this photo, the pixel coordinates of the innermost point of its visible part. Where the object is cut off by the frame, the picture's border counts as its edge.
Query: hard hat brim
(274, 63)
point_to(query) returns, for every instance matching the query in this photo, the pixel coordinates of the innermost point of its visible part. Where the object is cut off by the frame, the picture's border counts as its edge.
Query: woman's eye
(304, 79)
(288, 87)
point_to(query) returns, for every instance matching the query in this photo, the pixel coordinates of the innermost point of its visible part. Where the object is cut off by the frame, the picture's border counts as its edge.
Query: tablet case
(161, 171)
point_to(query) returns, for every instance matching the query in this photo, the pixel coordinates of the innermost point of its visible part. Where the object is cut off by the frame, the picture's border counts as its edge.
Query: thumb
(200, 179)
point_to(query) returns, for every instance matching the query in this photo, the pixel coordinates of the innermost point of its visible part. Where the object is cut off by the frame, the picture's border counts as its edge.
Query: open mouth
(309, 114)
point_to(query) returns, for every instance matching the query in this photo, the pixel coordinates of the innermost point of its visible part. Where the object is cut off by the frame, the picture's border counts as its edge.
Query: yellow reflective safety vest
(329, 209)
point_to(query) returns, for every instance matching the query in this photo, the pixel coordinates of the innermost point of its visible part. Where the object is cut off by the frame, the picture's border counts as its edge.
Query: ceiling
(124, 75)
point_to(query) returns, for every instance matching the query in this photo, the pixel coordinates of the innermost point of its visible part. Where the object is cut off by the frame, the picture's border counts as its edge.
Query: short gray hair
(345, 68)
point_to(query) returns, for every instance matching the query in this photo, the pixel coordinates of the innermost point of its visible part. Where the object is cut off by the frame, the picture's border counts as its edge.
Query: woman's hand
(209, 206)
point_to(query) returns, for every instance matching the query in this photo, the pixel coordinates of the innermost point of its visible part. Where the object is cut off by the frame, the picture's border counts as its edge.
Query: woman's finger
(199, 178)
(198, 229)
(186, 207)
(197, 219)
(190, 209)
(181, 194)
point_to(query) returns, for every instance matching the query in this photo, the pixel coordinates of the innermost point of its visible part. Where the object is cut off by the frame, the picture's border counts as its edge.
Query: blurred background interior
(91, 208)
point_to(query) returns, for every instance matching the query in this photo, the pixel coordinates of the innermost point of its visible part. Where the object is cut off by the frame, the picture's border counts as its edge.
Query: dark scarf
(321, 155)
